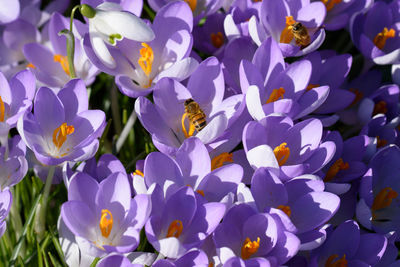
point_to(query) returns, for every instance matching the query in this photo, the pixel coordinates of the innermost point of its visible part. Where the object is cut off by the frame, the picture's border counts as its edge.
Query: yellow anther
(191, 127)
(249, 248)
(381, 38)
(217, 39)
(384, 198)
(312, 86)
(287, 33)
(285, 209)
(219, 160)
(60, 134)
(63, 60)
(201, 192)
(332, 261)
(192, 4)
(330, 3)
(137, 172)
(380, 107)
(175, 229)
(359, 96)
(380, 142)
(335, 168)
(2, 110)
(276, 94)
(282, 153)
(106, 222)
(30, 65)
(146, 59)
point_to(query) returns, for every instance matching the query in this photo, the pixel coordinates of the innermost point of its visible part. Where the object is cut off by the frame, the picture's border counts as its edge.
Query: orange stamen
(276, 94)
(146, 59)
(175, 229)
(106, 222)
(282, 153)
(217, 39)
(381, 38)
(219, 160)
(63, 60)
(249, 248)
(335, 168)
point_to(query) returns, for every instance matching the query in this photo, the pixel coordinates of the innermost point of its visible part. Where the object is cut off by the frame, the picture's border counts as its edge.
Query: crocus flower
(294, 149)
(62, 128)
(104, 215)
(278, 18)
(273, 87)
(379, 190)
(5, 206)
(293, 202)
(169, 123)
(193, 167)
(140, 64)
(181, 222)
(49, 62)
(210, 38)
(15, 99)
(347, 246)
(376, 34)
(195, 258)
(110, 24)
(13, 165)
(250, 238)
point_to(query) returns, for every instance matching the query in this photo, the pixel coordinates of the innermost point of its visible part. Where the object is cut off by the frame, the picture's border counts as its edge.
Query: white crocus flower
(109, 24)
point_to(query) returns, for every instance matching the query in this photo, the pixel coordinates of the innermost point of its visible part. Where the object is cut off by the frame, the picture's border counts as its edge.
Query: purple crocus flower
(347, 163)
(168, 122)
(50, 63)
(138, 66)
(192, 166)
(379, 192)
(9, 12)
(181, 222)
(294, 149)
(13, 165)
(293, 203)
(250, 238)
(116, 260)
(62, 128)
(15, 99)
(104, 215)
(273, 87)
(13, 37)
(339, 13)
(376, 33)
(277, 19)
(5, 206)
(347, 246)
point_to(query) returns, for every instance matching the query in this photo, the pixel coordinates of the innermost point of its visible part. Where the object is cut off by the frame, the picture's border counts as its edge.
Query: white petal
(180, 70)
(101, 50)
(231, 30)
(262, 156)
(213, 129)
(253, 103)
(256, 32)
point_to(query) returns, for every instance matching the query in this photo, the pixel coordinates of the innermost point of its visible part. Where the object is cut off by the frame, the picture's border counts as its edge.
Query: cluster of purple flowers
(269, 153)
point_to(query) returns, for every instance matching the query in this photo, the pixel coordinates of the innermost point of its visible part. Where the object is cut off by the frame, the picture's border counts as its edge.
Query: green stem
(71, 44)
(17, 248)
(40, 222)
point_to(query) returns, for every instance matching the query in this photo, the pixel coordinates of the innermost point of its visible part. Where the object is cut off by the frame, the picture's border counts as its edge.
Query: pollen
(333, 261)
(286, 209)
(384, 198)
(219, 160)
(2, 110)
(192, 4)
(312, 86)
(30, 65)
(381, 38)
(249, 248)
(330, 3)
(63, 60)
(137, 172)
(380, 107)
(201, 192)
(282, 153)
(146, 59)
(175, 229)
(191, 127)
(106, 222)
(287, 33)
(335, 168)
(276, 94)
(217, 39)
(60, 134)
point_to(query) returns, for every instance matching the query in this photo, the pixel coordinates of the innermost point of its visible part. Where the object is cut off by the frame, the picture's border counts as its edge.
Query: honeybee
(301, 35)
(195, 115)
